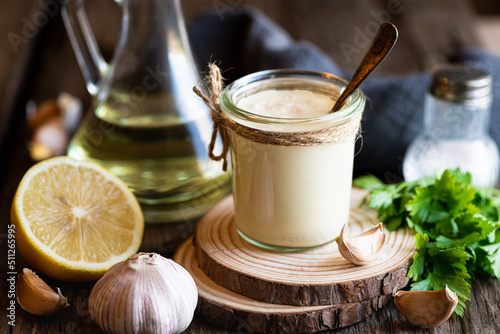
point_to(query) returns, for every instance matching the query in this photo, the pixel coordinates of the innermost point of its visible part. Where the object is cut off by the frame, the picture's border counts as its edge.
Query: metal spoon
(382, 44)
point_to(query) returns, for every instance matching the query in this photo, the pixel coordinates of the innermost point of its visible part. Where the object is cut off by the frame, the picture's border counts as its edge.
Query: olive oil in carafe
(160, 158)
(146, 124)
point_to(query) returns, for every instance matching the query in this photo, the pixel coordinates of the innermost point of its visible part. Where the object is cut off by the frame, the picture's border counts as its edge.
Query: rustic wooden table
(36, 62)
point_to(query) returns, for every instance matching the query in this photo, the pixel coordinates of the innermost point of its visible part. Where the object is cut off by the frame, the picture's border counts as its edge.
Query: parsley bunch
(457, 228)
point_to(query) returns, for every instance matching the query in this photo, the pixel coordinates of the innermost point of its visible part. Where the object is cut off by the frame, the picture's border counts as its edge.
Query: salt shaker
(456, 123)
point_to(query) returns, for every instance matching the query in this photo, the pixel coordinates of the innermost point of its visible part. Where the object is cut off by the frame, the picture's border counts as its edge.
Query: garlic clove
(426, 309)
(145, 294)
(36, 297)
(71, 109)
(363, 248)
(50, 139)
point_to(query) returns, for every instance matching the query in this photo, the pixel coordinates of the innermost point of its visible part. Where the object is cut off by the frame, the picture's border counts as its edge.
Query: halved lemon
(74, 220)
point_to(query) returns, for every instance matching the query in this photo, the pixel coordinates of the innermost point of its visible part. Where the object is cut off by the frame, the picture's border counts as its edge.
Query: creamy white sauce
(290, 196)
(287, 103)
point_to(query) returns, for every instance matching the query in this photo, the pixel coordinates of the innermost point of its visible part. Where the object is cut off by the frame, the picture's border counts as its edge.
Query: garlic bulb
(145, 294)
(426, 309)
(364, 248)
(36, 297)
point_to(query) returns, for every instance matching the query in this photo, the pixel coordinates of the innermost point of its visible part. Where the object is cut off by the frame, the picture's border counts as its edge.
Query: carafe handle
(90, 59)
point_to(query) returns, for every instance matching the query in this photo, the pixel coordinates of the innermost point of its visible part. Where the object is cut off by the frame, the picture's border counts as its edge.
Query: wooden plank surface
(429, 32)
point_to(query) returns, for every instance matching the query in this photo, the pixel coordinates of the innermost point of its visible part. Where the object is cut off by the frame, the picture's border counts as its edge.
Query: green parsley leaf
(382, 198)
(457, 228)
(368, 182)
(417, 270)
(420, 205)
(488, 254)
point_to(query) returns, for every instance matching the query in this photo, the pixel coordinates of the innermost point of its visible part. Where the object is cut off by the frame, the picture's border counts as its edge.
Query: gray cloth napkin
(246, 41)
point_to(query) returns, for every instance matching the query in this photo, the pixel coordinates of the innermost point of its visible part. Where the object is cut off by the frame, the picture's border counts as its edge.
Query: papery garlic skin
(426, 309)
(145, 294)
(71, 109)
(36, 297)
(50, 137)
(364, 248)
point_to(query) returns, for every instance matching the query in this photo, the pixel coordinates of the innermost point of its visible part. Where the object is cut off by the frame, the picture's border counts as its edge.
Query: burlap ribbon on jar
(223, 124)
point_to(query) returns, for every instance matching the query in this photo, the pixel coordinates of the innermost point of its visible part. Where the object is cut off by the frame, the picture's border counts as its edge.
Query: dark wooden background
(42, 64)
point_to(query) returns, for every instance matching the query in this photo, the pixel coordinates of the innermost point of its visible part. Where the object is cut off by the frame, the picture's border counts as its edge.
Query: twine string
(223, 124)
(214, 81)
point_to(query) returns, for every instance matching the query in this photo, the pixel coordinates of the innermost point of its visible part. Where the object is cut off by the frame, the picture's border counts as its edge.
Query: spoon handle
(382, 44)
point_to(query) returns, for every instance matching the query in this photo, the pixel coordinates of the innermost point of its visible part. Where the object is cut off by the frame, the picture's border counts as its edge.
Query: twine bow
(214, 81)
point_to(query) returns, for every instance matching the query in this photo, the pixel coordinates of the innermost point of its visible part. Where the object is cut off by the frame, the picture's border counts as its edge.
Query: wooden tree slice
(224, 308)
(315, 277)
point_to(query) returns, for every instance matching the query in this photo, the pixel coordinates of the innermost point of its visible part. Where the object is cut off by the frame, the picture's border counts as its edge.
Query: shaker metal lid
(460, 83)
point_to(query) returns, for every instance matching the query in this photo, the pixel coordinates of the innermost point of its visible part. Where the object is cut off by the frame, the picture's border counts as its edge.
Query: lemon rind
(55, 258)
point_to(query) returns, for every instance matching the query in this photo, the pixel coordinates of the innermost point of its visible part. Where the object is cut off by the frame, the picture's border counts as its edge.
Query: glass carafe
(147, 126)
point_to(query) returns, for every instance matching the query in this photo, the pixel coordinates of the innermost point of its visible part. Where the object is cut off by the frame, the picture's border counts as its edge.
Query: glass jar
(456, 123)
(291, 196)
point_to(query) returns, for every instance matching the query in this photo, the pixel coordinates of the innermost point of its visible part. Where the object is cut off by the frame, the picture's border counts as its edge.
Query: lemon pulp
(75, 219)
